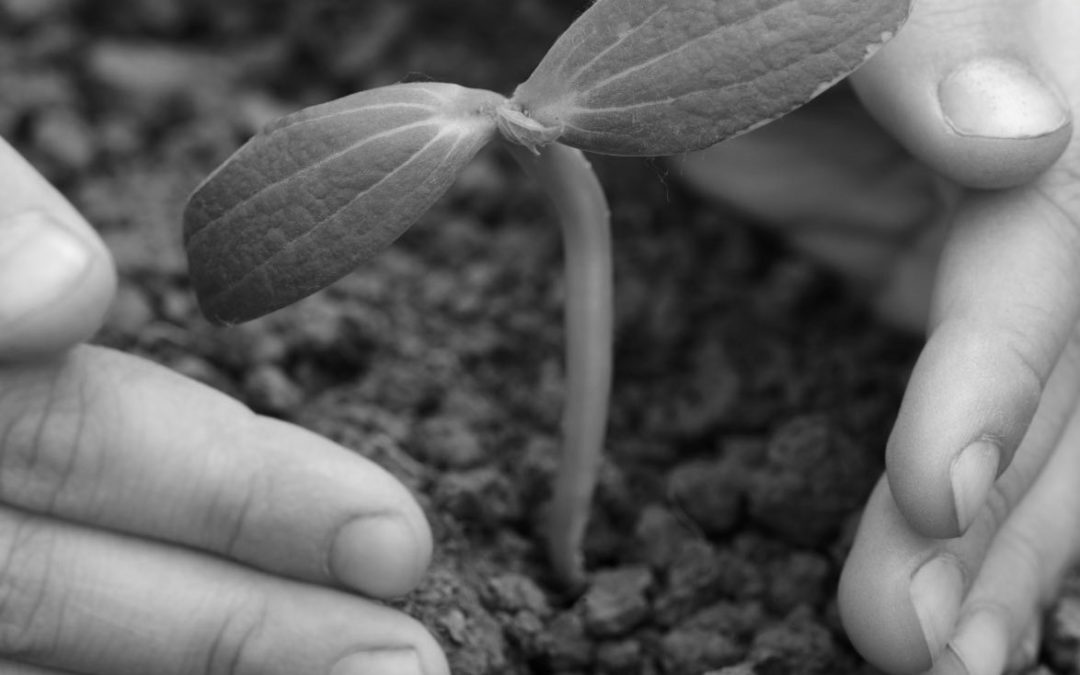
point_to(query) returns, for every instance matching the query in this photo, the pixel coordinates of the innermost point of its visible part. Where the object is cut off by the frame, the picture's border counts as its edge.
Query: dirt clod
(616, 600)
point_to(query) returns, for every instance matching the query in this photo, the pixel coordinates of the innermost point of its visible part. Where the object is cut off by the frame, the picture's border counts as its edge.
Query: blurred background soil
(752, 397)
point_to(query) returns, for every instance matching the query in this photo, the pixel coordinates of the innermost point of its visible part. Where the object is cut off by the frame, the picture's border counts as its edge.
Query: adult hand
(967, 537)
(149, 524)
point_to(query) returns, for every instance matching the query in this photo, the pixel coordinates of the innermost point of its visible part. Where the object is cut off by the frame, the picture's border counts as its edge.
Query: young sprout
(319, 191)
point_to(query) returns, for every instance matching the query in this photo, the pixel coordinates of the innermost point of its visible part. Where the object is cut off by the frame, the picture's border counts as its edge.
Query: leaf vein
(359, 195)
(684, 46)
(314, 165)
(353, 111)
(573, 77)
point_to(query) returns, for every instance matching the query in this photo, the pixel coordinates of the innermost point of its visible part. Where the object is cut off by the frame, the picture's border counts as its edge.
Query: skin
(131, 544)
(976, 238)
(151, 524)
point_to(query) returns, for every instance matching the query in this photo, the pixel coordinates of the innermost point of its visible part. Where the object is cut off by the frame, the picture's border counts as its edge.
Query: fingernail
(972, 474)
(948, 663)
(1000, 98)
(40, 260)
(376, 554)
(935, 592)
(380, 662)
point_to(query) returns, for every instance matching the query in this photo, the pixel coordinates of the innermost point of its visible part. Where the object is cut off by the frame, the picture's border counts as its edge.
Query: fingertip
(381, 555)
(918, 467)
(57, 278)
(1003, 125)
(876, 598)
(963, 94)
(880, 626)
(969, 401)
(940, 493)
(365, 530)
(56, 283)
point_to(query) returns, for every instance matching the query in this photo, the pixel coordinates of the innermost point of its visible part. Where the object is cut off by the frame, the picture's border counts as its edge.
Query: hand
(987, 441)
(149, 524)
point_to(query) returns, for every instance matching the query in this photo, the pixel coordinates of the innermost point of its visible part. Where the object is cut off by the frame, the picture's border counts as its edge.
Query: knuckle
(236, 648)
(949, 18)
(1070, 356)
(1055, 209)
(1031, 366)
(1060, 190)
(233, 516)
(46, 440)
(31, 599)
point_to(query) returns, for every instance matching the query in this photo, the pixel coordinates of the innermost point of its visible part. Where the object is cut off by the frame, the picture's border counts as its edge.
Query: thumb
(56, 276)
(966, 87)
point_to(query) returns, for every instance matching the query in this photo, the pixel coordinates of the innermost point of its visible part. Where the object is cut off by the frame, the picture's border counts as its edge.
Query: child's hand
(981, 92)
(149, 524)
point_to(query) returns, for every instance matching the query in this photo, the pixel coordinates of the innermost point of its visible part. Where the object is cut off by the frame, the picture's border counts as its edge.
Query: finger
(1022, 568)
(56, 277)
(826, 177)
(904, 299)
(91, 602)
(112, 441)
(833, 183)
(972, 87)
(1003, 310)
(900, 591)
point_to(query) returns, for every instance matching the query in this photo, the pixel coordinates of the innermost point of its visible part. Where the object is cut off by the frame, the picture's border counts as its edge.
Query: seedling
(319, 191)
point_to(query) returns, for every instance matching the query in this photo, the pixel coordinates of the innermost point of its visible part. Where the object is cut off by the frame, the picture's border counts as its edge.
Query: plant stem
(572, 185)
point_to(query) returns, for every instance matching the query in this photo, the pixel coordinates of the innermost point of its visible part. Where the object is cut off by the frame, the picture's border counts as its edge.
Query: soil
(753, 393)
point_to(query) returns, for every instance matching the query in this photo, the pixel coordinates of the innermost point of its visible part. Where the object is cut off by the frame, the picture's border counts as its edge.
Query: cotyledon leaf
(317, 192)
(661, 77)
